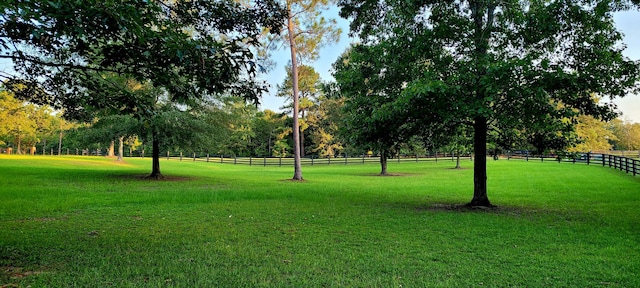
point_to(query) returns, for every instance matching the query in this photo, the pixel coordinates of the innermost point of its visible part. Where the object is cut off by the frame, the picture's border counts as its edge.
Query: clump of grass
(93, 222)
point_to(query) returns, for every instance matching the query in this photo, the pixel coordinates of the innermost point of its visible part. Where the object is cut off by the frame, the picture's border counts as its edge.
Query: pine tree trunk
(297, 165)
(480, 164)
(155, 166)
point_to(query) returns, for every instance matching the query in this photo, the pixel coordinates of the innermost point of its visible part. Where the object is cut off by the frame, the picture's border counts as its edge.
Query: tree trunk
(297, 166)
(480, 165)
(383, 162)
(155, 166)
(111, 151)
(458, 160)
(60, 143)
(120, 148)
(19, 148)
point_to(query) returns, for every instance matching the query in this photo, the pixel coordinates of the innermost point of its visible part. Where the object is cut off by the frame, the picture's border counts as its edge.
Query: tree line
(236, 128)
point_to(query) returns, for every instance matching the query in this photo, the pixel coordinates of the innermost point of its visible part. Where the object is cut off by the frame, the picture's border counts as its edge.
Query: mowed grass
(94, 222)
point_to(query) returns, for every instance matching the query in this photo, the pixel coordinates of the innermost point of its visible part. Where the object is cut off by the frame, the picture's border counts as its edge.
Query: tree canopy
(531, 66)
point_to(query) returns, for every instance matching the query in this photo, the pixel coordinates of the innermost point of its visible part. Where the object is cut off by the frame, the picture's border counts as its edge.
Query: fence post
(345, 159)
(250, 160)
(527, 155)
(194, 156)
(280, 163)
(329, 157)
(588, 158)
(221, 158)
(180, 155)
(265, 161)
(207, 157)
(311, 160)
(436, 156)
(167, 155)
(603, 159)
(626, 165)
(541, 157)
(235, 159)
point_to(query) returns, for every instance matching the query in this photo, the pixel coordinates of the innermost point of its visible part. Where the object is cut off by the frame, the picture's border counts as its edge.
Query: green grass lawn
(94, 222)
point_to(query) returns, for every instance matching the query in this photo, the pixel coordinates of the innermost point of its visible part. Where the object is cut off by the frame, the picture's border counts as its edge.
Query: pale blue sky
(627, 22)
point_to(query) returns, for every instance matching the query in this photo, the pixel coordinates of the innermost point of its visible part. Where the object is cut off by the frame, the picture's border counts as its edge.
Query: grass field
(94, 222)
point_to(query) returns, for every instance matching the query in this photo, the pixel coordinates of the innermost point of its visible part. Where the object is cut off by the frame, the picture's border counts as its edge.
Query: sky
(627, 22)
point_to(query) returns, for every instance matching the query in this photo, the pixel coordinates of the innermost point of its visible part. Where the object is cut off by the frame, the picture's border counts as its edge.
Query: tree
(324, 119)
(68, 51)
(531, 66)
(626, 133)
(270, 129)
(306, 32)
(308, 81)
(363, 77)
(24, 124)
(593, 135)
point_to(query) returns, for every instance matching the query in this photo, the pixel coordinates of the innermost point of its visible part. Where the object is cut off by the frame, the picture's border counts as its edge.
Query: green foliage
(24, 125)
(237, 226)
(627, 134)
(529, 66)
(187, 48)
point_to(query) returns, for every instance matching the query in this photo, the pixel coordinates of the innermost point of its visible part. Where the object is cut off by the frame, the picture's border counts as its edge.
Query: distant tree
(626, 133)
(270, 129)
(24, 124)
(308, 82)
(366, 80)
(592, 134)
(324, 120)
(523, 65)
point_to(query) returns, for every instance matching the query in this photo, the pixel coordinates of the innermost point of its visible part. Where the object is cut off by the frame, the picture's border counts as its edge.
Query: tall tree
(524, 65)
(306, 32)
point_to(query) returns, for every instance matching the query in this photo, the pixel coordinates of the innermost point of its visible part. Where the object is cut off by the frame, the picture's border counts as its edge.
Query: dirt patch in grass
(17, 273)
(293, 180)
(388, 174)
(164, 178)
(466, 208)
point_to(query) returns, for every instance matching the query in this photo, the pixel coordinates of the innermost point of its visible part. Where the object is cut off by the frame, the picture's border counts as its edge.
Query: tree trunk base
(480, 204)
(155, 176)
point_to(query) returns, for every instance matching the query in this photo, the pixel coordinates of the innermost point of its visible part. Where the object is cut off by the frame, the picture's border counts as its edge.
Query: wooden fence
(626, 164)
(275, 161)
(622, 163)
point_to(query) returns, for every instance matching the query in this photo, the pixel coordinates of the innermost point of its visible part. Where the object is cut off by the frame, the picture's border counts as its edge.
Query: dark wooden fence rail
(626, 164)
